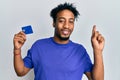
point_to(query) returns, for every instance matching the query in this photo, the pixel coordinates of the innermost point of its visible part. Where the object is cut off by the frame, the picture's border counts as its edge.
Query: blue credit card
(27, 29)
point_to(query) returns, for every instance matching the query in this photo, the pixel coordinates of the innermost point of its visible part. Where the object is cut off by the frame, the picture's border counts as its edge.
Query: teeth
(65, 32)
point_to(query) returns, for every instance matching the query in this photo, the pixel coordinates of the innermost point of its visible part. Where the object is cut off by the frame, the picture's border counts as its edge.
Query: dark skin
(64, 26)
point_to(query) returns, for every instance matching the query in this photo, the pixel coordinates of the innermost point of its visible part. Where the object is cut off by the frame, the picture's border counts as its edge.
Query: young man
(57, 57)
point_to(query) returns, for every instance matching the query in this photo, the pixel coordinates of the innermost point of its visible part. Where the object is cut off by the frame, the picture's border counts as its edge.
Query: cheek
(59, 26)
(72, 27)
(57, 29)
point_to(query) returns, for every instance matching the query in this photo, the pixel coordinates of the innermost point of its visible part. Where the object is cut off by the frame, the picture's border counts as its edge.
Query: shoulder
(78, 45)
(42, 41)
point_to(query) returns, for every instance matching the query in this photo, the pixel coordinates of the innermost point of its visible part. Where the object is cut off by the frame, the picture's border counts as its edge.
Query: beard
(60, 37)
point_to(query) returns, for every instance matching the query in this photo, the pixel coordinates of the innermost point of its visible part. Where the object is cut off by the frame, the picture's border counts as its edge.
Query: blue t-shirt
(53, 61)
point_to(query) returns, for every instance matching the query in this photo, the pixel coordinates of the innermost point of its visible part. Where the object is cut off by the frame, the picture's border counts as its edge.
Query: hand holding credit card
(27, 29)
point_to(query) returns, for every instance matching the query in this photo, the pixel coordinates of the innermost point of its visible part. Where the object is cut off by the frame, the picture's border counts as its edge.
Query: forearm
(18, 63)
(98, 68)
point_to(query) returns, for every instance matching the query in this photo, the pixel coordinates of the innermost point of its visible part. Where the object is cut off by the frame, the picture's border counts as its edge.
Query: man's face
(64, 24)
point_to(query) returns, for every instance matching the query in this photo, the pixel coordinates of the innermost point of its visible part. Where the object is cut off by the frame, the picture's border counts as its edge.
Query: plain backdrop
(17, 13)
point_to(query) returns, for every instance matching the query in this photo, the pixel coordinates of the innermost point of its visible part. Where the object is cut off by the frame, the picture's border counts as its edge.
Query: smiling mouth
(65, 32)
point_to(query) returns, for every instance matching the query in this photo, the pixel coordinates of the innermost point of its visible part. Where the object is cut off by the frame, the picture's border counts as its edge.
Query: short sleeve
(87, 63)
(28, 60)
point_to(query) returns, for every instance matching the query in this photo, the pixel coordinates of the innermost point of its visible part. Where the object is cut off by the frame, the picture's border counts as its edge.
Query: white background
(17, 13)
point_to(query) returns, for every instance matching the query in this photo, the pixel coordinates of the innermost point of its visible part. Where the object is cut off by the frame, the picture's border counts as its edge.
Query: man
(57, 57)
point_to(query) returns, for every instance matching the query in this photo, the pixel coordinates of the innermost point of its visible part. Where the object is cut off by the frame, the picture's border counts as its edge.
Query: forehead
(65, 13)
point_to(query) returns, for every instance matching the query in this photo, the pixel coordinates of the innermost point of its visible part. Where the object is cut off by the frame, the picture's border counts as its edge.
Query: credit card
(27, 29)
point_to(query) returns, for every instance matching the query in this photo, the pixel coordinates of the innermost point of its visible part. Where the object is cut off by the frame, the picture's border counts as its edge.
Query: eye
(61, 20)
(71, 21)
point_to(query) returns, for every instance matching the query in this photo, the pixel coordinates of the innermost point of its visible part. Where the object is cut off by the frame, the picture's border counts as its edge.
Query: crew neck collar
(58, 44)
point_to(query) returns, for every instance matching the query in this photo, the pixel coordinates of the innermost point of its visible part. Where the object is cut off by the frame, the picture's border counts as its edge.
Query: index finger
(94, 29)
(22, 33)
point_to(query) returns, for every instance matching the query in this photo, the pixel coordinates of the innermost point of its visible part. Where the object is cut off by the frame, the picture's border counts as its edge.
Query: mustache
(69, 30)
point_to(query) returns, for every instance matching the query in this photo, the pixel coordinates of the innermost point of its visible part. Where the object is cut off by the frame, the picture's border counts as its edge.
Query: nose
(66, 25)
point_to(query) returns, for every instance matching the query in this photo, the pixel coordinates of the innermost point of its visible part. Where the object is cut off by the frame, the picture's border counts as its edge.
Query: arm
(98, 44)
(19, 67)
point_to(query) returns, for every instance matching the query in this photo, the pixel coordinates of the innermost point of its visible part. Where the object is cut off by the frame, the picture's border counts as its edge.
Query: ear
(53, 24)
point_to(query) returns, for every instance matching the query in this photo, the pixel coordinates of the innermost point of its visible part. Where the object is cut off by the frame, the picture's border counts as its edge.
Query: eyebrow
(64, 18)
(61, 18)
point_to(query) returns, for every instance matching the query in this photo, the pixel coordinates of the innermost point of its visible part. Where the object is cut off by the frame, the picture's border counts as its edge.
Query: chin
(64, 38)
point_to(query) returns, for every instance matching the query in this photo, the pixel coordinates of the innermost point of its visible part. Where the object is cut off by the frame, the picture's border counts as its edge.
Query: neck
(57, 40)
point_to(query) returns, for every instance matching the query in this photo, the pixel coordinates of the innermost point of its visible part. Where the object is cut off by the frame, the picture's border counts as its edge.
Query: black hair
(61, 7)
